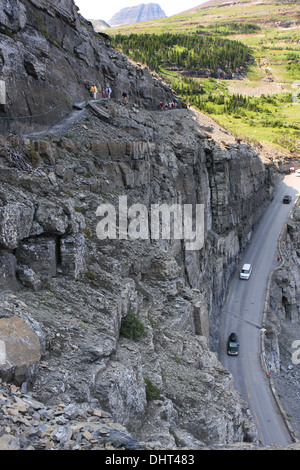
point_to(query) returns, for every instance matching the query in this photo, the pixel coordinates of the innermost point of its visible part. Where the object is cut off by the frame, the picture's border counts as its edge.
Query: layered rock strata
(127, 325)
(76, 290)
(50, 56)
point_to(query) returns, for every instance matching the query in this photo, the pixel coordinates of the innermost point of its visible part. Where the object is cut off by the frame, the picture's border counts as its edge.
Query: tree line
(186, 51)
(221, 102)
(228, 28)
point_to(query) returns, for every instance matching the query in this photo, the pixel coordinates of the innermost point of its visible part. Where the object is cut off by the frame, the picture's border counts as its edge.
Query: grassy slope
(276, 52)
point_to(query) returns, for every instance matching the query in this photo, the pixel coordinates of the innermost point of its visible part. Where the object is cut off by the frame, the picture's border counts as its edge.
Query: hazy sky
(106, 9)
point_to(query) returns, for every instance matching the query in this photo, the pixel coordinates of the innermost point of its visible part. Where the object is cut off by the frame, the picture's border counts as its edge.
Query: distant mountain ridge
(99, 25)
(137, 14)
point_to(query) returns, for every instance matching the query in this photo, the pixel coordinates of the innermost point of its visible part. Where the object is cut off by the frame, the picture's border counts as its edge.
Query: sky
(106, 9)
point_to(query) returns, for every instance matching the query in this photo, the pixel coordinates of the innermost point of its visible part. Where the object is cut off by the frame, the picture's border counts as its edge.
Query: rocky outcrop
(50, 57)
(76, 290)
(125, 324)
(20, 351)
(63, 427)
(29, 424)
(137, 14)
(282, 325)
(284, 293)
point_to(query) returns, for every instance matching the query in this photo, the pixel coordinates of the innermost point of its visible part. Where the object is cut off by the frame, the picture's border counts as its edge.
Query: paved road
(242, 313)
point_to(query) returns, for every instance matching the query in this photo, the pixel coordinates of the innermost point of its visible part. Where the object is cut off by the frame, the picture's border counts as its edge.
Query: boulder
(15, 223)
(100, 112)
(52, 218)
(38, 254)
(19, 351)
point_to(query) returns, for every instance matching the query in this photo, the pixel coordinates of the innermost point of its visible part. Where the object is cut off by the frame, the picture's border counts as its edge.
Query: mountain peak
(137, 14)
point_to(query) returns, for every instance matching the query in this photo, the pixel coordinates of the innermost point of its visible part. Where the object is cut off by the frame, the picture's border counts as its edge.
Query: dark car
(286, 199)
(233, 345)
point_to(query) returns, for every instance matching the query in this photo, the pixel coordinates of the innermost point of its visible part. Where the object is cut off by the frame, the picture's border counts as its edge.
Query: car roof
(246, 266)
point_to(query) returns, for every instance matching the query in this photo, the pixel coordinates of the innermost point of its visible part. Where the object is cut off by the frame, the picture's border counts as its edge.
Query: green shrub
(132, 327)
(152, 392)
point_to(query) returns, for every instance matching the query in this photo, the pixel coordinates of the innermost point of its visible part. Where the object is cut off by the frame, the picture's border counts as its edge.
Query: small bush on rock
(132, 327)
(152, 392)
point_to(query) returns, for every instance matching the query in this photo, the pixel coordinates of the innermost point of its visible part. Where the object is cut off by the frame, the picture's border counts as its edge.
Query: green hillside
(270, 33)
(193, 53)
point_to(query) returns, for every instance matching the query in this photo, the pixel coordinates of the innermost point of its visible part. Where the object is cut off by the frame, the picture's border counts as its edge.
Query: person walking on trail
(124, 94)
(94, 91)
(108, 92)
(103, 92)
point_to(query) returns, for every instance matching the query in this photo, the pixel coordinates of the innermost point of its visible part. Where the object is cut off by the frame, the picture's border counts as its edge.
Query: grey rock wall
(50, 56)
(282, 325)
(76, 291)
(284, 301)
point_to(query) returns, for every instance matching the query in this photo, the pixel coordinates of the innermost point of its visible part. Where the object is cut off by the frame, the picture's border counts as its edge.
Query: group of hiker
(105, 93)
(170, 105)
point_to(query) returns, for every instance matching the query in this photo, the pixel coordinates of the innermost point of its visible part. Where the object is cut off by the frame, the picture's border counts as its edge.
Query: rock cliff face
(75, 290)
(137, 14)
(49, 58)
(124, 325)
(283, 328)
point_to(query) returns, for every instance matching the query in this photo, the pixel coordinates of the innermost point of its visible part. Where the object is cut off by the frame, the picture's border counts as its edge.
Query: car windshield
(245, 271)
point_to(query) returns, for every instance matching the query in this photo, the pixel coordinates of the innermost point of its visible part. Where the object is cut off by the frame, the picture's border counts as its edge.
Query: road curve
(242, 314)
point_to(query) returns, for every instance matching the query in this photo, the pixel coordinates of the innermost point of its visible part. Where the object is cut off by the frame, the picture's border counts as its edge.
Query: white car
(246, 271)
(298, 172)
